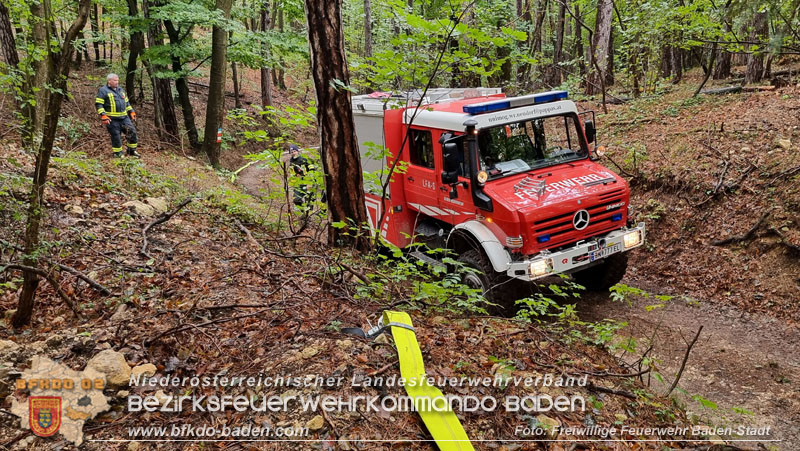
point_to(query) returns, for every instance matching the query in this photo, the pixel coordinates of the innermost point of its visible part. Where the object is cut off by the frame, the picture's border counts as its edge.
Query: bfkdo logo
(45, 414)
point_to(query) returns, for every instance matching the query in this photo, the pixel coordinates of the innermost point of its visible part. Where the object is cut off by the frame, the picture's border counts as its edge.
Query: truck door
(460, 208)
(420, 179)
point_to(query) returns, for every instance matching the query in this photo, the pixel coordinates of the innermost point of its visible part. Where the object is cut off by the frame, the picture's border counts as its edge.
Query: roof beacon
(514, 102)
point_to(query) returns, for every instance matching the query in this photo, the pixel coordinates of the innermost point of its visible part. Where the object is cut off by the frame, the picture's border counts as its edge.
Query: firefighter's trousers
(116, 128)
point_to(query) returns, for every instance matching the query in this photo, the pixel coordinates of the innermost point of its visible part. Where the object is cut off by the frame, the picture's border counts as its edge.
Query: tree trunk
(235, 76)
(7, 43)
(676, 55)
(610, 67)
(58, 62)
(339, 148)
(281, 73)
(136, 47)
(665, 68)
(579, 42)
(164, 117)
(215, 110)
(558, 47)
(183, 89)
(367, 29)
(266, 72)
(723, 66)
(94, 25)
(755, 60)
(601, 41)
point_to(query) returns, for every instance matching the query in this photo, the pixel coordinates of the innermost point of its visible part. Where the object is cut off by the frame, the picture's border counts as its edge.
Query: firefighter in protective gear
(116, 113)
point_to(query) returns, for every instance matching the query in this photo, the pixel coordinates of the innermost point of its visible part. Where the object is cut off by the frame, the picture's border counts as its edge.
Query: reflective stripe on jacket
(112, 102)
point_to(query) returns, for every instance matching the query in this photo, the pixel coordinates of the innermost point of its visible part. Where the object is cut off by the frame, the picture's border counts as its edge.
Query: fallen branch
(641, 120)
(720, 91)
(160, 220)
(92, 283)
(784, 240)
(352, 271)
(788, 172)
(747, 236)
(249, 235)
(185, 327)
(685, 359)
(716, 188)
(758, 88)
(4, 266)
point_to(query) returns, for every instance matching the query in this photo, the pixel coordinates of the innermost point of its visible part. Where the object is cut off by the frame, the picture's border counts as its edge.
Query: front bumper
(577, 257)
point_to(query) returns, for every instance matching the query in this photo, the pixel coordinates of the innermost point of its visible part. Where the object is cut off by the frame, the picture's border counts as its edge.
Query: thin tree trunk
(610, 67)
(183, 90)
(8, 44)
(266, 72)
(711, 58)
(723, 58)
(58, 64)
(235, 75)
(281, 73)
(215, 109)
(676, 55)
(95, 27)
(164, 117)
(136, 47)
(755, 60)
(601, 41)
(339, 147)
(558, 47)
(579, 42)
(367, 29)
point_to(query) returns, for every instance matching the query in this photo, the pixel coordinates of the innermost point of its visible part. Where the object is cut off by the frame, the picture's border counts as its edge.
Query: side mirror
(590, 131)
(451, 160)
(449, 177)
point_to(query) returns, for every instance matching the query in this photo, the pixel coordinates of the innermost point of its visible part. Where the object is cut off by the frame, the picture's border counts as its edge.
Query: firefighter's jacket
(112, 102)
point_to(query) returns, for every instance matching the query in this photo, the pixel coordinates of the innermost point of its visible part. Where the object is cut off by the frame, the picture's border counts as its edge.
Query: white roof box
(377, 102)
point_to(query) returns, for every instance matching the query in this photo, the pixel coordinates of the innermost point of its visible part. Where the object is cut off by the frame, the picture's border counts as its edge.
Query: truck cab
(509, 185)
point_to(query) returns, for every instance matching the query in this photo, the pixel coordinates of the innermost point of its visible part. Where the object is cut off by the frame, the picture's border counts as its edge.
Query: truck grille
(559, 229)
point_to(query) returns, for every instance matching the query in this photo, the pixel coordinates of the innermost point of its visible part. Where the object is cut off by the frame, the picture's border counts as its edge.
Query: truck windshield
(529, 144)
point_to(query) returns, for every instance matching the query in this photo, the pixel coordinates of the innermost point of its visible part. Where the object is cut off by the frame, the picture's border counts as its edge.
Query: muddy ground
(741, 360)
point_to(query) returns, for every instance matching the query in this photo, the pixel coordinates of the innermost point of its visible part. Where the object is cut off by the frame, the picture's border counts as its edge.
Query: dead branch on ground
(160, 220)
(4, 266)
(92, 283)
(683, 363)
(747, 236)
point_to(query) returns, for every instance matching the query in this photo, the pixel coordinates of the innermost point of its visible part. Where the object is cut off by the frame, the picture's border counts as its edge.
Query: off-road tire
(497, 287)
(603, 276)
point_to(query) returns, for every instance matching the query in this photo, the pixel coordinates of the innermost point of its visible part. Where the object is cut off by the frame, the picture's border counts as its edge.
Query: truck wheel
(605, 275)
(496, 287)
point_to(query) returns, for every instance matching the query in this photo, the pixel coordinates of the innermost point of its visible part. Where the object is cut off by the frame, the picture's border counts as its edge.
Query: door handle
(443, 188)
(410, 179)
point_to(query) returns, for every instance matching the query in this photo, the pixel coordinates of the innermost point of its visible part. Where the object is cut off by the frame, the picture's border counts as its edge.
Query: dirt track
(740, 360)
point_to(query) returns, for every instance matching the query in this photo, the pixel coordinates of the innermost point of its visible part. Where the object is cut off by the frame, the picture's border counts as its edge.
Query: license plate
(603, 253)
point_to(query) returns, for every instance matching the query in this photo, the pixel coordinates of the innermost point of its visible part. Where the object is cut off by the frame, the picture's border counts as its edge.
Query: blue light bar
(543, 238)
(514, 102)
(487, 107)
(616, 217)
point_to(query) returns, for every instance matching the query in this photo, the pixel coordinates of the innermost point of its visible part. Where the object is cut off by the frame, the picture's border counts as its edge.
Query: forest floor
(224, 288)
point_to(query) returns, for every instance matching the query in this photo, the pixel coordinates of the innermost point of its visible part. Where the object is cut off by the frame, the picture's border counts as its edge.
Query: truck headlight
(632, 239)
(483, 176)
(541, 267)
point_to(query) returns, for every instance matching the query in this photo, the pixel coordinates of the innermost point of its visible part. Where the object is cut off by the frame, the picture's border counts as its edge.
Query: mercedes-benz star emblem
(581, 219)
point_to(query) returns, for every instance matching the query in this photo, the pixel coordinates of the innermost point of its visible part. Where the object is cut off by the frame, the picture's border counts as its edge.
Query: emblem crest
(44, 414)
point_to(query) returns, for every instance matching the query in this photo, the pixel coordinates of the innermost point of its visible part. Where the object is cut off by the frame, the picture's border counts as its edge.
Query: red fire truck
(510, 185)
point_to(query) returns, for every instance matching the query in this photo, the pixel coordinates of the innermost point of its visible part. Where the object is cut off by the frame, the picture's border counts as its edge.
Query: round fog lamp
(483, 176)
